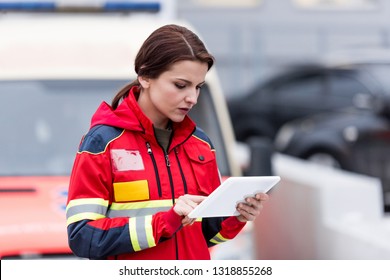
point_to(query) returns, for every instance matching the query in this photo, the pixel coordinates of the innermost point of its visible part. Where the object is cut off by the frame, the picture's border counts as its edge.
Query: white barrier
(321, 213)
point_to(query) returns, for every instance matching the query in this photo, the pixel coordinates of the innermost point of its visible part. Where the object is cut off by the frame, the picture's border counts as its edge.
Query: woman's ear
(144, 81)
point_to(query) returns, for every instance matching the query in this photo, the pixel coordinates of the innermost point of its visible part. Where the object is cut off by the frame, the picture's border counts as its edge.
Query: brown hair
(165, 46)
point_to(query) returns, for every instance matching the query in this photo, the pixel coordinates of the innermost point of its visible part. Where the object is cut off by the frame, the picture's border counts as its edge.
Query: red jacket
(123, 187)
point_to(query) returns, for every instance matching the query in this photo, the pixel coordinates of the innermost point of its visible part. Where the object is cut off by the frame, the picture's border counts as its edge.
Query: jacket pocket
(205, 170)
(131, 191)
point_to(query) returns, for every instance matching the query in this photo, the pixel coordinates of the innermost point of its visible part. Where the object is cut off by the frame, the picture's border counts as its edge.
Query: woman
(144, 165)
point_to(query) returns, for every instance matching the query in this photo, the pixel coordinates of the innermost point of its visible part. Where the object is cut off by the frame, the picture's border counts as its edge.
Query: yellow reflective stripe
(141, 233)
(218, 238)
(133, 234)
(141, 204)
(144, 208)
(82, 201)
(136, 212)
(84, 216)
(149, 231)
(85, 208)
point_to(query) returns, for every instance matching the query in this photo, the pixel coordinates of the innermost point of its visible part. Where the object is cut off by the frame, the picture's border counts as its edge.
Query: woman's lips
(184, 110)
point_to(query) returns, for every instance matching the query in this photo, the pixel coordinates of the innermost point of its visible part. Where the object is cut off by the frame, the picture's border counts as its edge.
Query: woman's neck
(150, 111)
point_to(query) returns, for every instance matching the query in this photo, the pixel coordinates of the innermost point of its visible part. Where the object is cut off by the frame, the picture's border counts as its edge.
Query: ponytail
(122, 93)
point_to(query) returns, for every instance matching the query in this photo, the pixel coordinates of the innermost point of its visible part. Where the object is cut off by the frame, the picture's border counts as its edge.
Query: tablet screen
(223, 200)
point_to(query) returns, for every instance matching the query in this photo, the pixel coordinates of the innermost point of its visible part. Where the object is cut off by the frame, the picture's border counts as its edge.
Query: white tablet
(223, 200)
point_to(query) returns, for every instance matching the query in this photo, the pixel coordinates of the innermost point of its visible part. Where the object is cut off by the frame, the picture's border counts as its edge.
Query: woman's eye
(180, 86)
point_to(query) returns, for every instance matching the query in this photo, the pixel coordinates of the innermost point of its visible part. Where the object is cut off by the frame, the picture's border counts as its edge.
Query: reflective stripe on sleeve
(86, 208)
(141, 233)
(218, 238)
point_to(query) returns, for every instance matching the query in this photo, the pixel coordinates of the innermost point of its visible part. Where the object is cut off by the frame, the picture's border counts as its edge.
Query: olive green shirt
(163, 137)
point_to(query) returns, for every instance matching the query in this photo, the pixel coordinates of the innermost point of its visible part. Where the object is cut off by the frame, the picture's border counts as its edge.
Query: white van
(55, 69)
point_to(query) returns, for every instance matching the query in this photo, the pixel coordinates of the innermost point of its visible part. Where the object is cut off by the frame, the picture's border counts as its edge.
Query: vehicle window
(344, 90)
(297, 97)
(379, 74)
(42, 123)
(299, 89)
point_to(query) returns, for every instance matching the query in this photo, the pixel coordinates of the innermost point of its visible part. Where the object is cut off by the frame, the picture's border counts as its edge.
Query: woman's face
(172, 95)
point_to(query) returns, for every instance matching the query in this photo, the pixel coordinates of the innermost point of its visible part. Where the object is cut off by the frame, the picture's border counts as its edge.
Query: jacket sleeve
(220, 229)
(91, 234)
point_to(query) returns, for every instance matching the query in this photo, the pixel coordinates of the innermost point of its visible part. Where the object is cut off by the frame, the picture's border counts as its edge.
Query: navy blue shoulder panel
(199, 133)
(96, 140)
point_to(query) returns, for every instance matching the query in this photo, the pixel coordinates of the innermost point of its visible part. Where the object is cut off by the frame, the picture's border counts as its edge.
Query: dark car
(354, 141)
(301, 91)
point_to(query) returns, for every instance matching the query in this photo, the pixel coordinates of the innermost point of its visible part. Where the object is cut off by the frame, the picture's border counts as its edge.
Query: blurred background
(255, 38)
(301, 86)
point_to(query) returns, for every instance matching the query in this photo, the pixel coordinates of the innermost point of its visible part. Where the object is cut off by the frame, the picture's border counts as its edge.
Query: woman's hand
(251, 208)
(185, 204)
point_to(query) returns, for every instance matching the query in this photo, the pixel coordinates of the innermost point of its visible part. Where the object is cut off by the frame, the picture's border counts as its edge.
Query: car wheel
(324, 159)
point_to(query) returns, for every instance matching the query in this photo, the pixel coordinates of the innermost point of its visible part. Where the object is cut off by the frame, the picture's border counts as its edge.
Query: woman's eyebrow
(189, 82)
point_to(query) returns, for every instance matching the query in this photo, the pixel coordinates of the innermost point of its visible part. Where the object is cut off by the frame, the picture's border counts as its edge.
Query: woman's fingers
(187, 221)
(252, 207)
(186, 203)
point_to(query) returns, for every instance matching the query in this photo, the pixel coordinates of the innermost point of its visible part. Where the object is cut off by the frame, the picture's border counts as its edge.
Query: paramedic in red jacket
(144, 164)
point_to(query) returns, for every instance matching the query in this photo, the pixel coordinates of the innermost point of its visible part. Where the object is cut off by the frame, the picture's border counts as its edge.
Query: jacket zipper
(168, 164)
(149, 148)
(181, 173)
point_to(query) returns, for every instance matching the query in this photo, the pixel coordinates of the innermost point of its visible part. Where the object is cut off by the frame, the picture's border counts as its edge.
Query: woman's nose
(192, 96)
